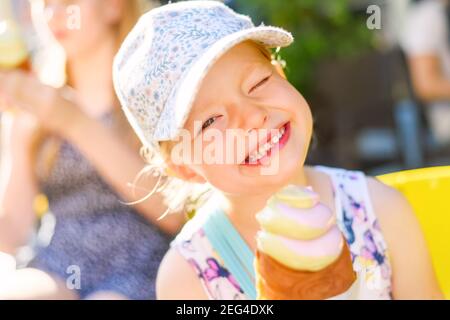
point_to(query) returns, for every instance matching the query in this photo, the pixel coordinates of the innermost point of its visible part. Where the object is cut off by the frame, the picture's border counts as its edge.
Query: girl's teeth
(275, 139)
(266, 147)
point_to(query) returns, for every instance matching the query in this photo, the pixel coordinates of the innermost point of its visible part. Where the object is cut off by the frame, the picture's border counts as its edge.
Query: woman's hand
(54, 109)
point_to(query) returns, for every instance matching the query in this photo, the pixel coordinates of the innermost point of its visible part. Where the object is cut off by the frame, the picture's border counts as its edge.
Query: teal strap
(235, 253)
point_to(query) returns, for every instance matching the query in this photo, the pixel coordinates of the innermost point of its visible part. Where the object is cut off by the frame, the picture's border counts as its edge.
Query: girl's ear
(183, 172)
(279, 68)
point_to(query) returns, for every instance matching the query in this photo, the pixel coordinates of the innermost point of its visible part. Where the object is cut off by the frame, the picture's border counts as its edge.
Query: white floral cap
(160, 65)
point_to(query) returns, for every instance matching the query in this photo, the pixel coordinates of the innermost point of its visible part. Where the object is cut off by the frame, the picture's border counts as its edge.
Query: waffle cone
(274, 281)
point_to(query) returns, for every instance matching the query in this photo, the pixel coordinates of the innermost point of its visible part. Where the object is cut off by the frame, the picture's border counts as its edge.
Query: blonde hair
(179, 195)
(53, 71)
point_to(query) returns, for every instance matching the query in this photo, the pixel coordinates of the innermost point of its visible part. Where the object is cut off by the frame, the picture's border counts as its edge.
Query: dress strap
(229, 245)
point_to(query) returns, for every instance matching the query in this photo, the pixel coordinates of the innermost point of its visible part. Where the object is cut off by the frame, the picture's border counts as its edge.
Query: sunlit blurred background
(357, 82)
(355, 78)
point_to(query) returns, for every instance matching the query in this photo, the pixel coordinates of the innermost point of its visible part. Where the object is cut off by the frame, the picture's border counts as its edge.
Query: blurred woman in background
(74, 145)
(426, 42)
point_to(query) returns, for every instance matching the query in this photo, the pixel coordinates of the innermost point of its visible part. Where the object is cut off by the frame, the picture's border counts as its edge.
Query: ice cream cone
(301, 253)
(274, 281)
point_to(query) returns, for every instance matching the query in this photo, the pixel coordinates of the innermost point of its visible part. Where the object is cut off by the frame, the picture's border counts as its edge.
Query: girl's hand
(54, 109)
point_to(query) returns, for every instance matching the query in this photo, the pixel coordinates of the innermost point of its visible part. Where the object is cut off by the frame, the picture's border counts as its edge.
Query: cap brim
(184, 94)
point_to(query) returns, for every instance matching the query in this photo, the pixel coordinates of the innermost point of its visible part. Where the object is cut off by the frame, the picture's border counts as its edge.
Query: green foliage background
(321, 28)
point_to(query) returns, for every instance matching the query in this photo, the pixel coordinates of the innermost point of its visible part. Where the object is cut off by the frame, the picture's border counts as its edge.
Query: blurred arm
(118, 163)
(176, 280)
(428, 79)
(17, 182)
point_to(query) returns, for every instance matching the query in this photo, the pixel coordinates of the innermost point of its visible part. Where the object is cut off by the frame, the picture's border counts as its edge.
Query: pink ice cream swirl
(299, 231)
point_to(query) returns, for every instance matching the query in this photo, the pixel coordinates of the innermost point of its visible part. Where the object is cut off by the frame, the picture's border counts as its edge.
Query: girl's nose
(254, 118)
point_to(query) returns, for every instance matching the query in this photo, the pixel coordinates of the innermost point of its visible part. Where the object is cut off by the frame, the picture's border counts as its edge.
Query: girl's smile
(270, 146)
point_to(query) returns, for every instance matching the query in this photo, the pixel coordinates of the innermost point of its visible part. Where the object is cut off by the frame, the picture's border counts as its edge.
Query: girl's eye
(259, 84)
(209, 122)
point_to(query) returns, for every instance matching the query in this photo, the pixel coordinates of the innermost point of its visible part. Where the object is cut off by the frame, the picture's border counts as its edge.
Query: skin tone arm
(413, 274)
(429, 82)
(108, 152)
(18, 187)
(177, 280)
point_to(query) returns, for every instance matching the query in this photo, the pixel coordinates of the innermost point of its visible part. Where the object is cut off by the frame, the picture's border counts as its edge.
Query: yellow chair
(428, 191)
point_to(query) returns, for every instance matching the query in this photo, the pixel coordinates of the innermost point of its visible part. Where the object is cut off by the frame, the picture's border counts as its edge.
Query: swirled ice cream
(301, 253)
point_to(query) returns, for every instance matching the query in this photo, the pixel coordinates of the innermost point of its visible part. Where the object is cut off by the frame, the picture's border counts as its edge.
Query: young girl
(192, 68)
(72, 144)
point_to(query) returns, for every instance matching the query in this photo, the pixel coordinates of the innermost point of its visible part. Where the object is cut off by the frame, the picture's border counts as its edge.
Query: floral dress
(356, 219)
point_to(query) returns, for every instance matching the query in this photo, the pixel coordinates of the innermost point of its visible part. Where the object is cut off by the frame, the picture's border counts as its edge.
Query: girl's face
(79, 25)
(243, 94)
